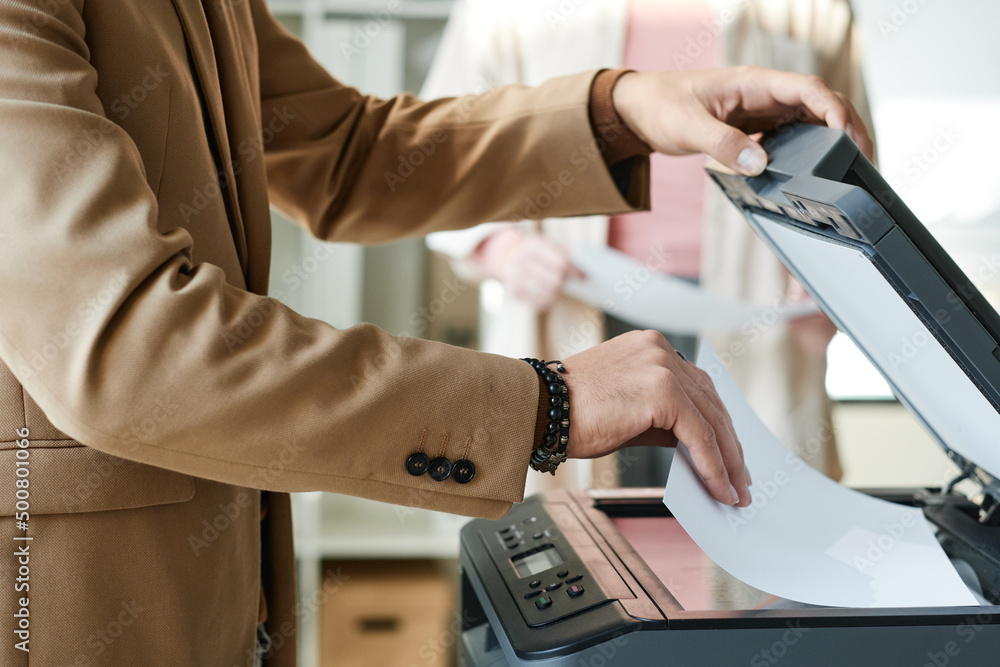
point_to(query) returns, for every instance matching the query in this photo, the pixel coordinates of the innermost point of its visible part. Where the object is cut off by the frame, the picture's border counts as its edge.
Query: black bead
(463, 471)
(552, 427)
(553, 389)
(417, 464)
(550, 378)
(549, 439)
(440, 469)
(555, 413)
(555, 401)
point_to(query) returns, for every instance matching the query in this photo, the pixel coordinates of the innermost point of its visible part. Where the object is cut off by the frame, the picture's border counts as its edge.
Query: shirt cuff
(618, 143)
(543, 413)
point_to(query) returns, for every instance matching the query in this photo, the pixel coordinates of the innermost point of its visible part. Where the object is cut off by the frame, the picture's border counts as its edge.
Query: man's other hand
(636, 390)
(715, 111)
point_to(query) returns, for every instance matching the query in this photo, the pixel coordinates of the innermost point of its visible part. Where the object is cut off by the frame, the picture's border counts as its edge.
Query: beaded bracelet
(552, 450)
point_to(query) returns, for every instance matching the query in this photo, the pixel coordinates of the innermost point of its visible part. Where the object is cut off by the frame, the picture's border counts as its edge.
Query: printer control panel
(538, 559)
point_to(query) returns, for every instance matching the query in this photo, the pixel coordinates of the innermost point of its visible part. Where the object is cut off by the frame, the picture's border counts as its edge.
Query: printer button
(535, 584)
(574, 591)
(562, 574)
(573, 580)
(552, 587)
(532, 594)
(543, 602)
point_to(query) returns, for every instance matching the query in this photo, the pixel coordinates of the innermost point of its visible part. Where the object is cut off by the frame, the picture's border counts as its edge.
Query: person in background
(691, 231)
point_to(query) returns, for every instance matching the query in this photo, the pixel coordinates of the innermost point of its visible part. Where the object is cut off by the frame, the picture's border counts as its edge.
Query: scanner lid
(883, 279)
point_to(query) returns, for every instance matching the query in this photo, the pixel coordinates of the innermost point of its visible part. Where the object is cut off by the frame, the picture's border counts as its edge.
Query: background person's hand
(714, 111)
(531, 268)
(636, 390)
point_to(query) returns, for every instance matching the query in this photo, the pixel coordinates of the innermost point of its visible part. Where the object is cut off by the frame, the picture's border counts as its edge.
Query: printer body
(621, 595)
(595, 578)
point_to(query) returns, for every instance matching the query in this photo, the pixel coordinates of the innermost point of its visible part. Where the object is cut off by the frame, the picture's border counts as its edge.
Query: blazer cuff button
(417, 464)
(463, 471)
(440, 469)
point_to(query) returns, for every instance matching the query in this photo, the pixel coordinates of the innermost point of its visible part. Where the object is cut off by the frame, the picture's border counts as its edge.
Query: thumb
(731, 147)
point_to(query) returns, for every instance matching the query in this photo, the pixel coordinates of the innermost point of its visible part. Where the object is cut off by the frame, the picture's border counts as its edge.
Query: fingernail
(752, 161)
(733, 496)
(749, 478)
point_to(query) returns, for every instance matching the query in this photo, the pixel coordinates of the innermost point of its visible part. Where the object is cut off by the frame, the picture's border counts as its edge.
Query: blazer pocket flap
(75, 479)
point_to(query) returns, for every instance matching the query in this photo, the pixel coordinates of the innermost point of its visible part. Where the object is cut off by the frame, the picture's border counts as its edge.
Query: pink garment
(669, 35)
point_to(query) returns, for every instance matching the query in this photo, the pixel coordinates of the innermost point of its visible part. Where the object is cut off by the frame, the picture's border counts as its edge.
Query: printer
(609, 577)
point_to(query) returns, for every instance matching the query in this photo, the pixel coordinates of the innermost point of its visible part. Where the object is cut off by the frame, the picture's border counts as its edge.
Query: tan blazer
(139, 145)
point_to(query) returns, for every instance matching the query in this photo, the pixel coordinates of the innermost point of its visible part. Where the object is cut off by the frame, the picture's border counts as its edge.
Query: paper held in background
(805, 537)
(624, 287)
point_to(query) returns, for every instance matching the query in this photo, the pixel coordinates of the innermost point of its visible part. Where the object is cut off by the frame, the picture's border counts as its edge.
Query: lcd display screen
(537, 561)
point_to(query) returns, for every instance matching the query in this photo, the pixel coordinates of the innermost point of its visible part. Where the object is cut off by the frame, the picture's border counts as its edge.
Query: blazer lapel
(199, 40)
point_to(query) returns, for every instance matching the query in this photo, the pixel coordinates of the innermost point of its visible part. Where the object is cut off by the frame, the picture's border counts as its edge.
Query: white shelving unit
(328, 526)
(332, 527)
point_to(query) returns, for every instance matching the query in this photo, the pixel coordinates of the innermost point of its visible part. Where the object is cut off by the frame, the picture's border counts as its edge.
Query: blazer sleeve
(149, 356)
(368, 170)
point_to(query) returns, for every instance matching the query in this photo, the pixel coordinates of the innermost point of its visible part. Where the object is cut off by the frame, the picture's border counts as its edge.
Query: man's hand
(714, 111)
(636, 390)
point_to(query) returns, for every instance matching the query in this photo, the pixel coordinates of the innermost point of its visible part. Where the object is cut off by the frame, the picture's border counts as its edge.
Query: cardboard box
(389, 614)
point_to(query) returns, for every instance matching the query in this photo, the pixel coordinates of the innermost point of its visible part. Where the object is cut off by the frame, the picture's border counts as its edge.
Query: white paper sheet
(805, 537)
(637, 293)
